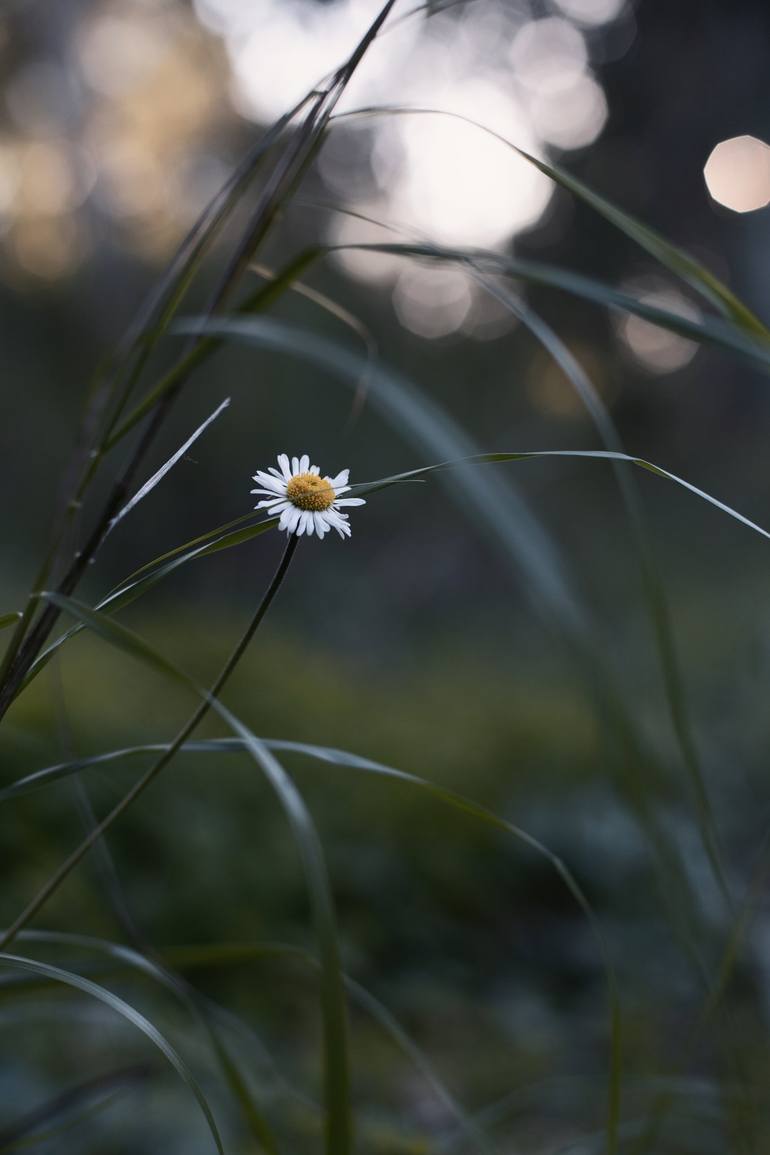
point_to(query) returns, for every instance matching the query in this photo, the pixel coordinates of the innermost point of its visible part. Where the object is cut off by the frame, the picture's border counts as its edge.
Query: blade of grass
(193, 1004)
(588, 455)
(708, 329)
(127, 1012)
(168, 465)
(654, 591)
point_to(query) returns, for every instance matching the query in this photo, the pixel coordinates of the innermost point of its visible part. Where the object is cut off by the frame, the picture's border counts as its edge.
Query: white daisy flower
(307, 503)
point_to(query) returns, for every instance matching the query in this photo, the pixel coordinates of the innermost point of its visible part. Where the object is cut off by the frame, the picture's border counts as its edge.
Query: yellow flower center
(309, 491)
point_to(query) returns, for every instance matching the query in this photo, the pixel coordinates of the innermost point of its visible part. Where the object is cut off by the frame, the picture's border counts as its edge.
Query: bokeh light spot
(574, 118)
(658, 350)
(548, 55)
(592, 12)
(432, 301)
(738, 174)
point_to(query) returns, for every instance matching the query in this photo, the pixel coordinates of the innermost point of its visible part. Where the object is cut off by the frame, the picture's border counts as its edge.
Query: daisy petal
(270, 482)
(350, 501)
(341, 478)
(283, 462)
(336, 520)
(304, 463)
(294, 465)
(320, 524)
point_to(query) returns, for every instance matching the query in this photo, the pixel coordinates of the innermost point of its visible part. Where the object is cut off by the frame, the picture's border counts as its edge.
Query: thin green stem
(56, 879)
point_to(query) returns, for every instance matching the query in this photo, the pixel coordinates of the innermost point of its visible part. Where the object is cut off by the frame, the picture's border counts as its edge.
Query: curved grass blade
(127, 956)
(333, 1003)
(653, 586)
(127, 1012)
(673, 258)
(589, 455)
(7, 620)
(709, 329)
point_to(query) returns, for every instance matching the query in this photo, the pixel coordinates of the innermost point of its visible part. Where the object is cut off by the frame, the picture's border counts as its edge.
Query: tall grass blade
(708, 329)
(587, 454)
(651, 581)
(158, 476)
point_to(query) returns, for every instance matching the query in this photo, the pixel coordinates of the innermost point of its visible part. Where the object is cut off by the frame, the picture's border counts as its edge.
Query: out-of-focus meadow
(525, 663)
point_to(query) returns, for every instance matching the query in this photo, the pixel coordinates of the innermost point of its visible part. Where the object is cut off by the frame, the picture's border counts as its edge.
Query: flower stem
(56, 879)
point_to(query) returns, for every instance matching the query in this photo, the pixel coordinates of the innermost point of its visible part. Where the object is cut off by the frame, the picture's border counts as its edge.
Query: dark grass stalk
(55, 881)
